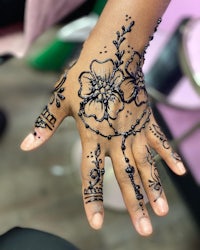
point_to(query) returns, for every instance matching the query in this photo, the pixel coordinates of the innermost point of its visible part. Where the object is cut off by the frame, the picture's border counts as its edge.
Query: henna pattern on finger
(176, 156)
(155, 182)
(155, 129)
(46, 120)
(94, 192)
(130, 170)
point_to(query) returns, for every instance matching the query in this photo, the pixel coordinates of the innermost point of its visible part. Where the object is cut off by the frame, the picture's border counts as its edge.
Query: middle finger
(131, 187)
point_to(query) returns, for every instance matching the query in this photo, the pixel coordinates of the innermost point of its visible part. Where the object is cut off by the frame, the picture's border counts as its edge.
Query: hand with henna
(105, 93)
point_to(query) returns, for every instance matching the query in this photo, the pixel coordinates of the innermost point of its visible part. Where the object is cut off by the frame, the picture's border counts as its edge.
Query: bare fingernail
(181, 168)
(97, 221)
(27, 142)
(145, 227)
(162, 207)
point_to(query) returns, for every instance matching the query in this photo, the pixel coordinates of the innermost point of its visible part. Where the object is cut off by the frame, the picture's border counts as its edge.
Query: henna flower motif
(100, 89)
(135, 81)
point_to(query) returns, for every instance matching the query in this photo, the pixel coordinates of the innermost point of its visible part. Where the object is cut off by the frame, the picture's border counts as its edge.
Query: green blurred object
(53, 57)
(99, 5)
(59, 52)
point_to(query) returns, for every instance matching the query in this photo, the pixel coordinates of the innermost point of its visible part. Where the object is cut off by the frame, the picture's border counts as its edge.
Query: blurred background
(42, 189)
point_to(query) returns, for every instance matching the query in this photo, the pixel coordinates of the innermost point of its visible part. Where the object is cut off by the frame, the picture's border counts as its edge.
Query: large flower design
(100, 89)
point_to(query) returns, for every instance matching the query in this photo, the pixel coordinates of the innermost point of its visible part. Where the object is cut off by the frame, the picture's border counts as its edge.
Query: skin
(105, 93)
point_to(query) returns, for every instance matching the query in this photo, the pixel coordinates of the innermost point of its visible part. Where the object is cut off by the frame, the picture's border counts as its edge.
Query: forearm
(116, 13)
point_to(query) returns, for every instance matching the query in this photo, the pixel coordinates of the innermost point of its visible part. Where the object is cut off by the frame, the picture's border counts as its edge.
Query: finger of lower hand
(150, 178)
(131, 188)
(159, 142)
(92, 176)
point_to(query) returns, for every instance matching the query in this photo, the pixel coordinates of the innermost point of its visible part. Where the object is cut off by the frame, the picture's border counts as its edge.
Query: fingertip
(27, 143)
(162, 207)
(97, 221)
(144, 227)
(31, 142)
(181, 168)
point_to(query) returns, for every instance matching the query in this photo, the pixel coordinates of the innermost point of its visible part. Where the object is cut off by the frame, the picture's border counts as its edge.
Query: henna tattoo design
(155, 129)
(46, 119)
(151, 37)
(130, 171)
(109, 84)
(106, 86)
(104, 50)
(155, 182)
(108, 90)
(57, 95)
(94, 192)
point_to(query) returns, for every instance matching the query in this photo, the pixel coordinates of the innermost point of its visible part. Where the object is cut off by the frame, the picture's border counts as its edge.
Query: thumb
(49, 119)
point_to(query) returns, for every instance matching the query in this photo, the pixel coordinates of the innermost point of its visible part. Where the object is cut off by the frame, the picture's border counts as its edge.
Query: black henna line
(57, 95)
(45, 120)
(156, 130)
(94, 191)
(155, 182)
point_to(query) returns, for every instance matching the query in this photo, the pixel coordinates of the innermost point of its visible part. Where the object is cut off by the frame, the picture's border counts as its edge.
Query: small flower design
(135, 81)
(57, 95)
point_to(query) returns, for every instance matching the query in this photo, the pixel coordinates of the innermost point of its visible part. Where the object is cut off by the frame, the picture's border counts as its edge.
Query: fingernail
(145, 227)
(97, 221)
(28, 142)
(181, 168)
(162, 207)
